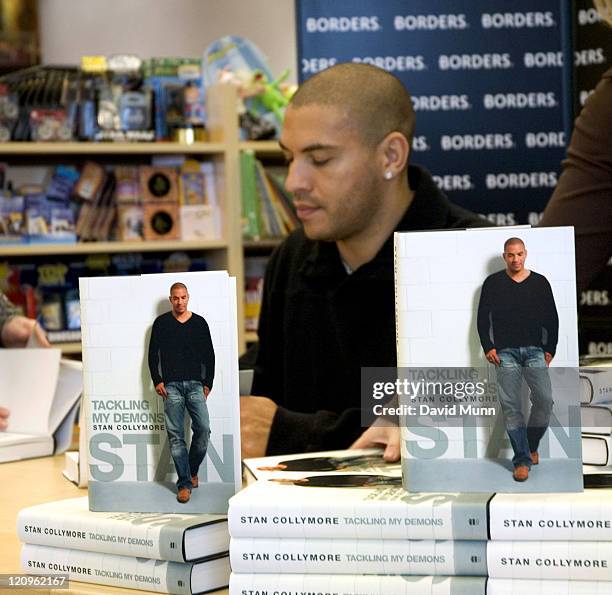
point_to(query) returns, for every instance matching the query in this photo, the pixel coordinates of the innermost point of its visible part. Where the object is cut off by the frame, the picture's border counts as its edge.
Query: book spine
(365, 556)
(104, 535)
(298, 584)
(108, 569)
(596, 450)
(599, 382)
(585, 516)
(435, 517)
(519, 586)
(559, 560)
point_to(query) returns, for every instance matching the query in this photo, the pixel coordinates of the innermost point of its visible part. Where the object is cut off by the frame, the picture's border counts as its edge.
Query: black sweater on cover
(184, 349)
(519, 314)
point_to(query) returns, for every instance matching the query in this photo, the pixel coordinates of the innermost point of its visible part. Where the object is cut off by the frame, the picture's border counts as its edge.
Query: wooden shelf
(109, 148)
(68, 347)
(261, 147)
(261, 244)
(108, 247)
(251, 337)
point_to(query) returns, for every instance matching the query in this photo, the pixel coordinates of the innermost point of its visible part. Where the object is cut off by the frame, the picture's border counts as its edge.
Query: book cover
(364, 584)
(359, 556)
(137, 356)
(125, 571)
(175, 537)
(291, 509)
(487, 374)
(294, 466)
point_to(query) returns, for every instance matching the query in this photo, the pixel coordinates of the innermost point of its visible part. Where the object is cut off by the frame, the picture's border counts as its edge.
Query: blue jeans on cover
(186, 394)
(517, 363)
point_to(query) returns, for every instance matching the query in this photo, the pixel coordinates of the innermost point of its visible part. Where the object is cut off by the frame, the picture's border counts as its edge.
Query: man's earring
(388, 175)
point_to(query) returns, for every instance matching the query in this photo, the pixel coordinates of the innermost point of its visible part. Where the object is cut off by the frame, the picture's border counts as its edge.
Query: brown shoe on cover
(521, 473)
(195, 482)
(183, 495)
(535, 458)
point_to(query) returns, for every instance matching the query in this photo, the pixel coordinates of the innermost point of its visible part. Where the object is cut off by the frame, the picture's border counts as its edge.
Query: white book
(358, 556)
(595, 385)
(582, 516)
(176, 537)
(159, 576)
(364, 584)
(596, 450)
(559, 560)
(42, 392)
(279, 510)
(130, 464)
(454, 437)
(596, 419)
(509, 586)
(387, 584)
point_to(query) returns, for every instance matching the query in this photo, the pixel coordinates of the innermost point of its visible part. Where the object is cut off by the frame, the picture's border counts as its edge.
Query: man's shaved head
(373, 99)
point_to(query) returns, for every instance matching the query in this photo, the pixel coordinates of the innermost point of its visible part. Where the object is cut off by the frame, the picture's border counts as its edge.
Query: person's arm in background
(17, 330)
(583, 196)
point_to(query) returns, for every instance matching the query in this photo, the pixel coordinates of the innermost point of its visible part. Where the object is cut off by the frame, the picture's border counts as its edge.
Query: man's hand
(4, 414)
(206, 392)
(492, 357)
(381, 433)
(19, 330)
(256, 416)
(548, 357)
(160, 389)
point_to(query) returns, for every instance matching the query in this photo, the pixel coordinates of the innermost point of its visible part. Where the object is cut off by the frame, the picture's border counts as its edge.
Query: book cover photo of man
(182, 366)
(518, 326)
(495, 344)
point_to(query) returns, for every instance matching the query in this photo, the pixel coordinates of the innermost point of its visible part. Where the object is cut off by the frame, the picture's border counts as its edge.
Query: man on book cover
(182, 367)
(518, 327)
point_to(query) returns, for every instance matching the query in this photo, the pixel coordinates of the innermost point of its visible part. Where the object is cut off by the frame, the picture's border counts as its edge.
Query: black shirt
(519, 314)
(184, 349)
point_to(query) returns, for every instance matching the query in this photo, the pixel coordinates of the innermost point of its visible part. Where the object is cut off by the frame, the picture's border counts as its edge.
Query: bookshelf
(223, 149)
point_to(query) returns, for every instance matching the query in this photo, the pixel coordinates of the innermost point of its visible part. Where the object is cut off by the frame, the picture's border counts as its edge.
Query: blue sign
(488, 82)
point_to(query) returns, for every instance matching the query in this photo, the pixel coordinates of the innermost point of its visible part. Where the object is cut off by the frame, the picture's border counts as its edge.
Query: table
(29, 482)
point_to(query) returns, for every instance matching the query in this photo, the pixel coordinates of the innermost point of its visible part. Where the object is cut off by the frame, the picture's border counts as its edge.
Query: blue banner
(488, 82)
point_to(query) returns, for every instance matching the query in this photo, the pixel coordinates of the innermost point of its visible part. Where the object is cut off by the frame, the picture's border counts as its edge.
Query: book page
(28, 378)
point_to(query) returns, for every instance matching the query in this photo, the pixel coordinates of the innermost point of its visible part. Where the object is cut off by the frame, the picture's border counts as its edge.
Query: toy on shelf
(263, 99)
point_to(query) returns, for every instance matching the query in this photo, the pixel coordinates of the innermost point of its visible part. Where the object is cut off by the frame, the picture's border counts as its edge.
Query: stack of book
(290, 534)
(596, 415)
(167, 553)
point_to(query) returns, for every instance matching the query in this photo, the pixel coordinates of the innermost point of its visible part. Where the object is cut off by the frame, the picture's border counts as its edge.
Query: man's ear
(395, 151)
